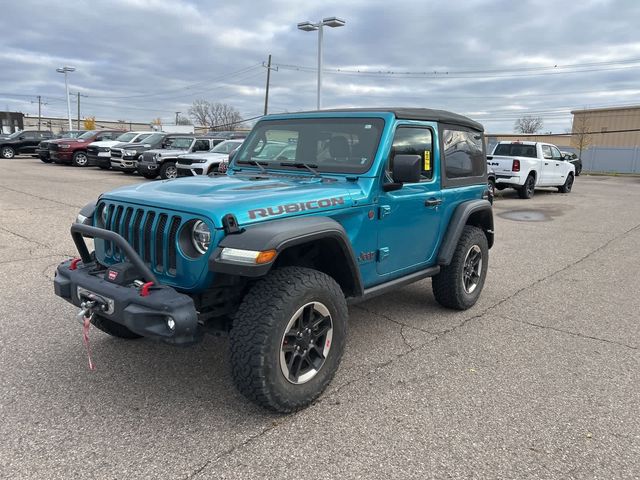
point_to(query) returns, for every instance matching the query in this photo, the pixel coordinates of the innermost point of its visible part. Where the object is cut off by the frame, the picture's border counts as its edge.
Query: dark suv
(43, 147)
(124, 156)
(23, 142)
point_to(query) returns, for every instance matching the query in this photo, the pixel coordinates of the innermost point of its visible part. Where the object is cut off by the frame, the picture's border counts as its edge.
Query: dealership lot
(539, 380)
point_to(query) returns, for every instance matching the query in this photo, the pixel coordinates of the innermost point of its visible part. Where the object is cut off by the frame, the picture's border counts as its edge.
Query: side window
(546, 151)
(463, 154)
(201, 145)
(555, 153)
(29, 135)
(414, 141)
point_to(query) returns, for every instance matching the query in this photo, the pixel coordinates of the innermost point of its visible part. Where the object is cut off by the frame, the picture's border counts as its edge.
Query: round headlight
(201, 236)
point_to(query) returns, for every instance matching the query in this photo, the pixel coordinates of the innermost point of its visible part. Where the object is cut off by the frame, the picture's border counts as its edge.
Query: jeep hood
(251, 198)
(205, 155)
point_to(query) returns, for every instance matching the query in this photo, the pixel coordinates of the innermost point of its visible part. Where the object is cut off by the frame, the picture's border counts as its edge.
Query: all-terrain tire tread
(447, 285)
(257, 319)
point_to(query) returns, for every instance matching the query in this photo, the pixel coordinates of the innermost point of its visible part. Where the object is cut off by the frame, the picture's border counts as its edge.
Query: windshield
(15, 134)
(515, 150)
(225, 147)
(153, 138)
(126, 137)
(340, 145)
(179, 143)
(70, 134)
(88, 134)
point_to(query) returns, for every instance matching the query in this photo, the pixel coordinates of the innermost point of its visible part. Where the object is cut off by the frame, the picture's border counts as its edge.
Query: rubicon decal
(295, 207)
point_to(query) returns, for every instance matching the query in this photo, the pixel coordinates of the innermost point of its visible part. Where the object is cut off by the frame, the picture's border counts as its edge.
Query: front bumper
(144, 315)
(190, 171)
(43, 154)
(148, 167)
(61, 156)
(96, 159)
(124, 164)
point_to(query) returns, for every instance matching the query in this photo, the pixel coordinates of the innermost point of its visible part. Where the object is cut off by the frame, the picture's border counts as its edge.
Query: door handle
(433, 202)
(546, 163)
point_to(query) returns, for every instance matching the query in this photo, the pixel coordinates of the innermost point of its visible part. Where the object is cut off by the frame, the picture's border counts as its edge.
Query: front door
(547, 167)
(409, 218)
(559, 167)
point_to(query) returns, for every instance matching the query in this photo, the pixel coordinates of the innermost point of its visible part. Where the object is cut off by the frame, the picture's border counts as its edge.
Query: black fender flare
(282, 234)
(473, 212)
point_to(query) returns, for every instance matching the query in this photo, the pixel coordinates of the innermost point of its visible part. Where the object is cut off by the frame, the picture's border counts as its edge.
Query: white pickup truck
(527, 165)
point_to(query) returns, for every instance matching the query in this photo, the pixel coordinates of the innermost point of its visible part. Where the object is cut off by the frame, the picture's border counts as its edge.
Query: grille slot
(153, 235)
(173, 237)
(146, 235)
(162, 224)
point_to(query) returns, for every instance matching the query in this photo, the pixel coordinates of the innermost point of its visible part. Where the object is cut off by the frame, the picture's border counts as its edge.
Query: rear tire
(45, 160)
(104, 167)
(112, 328)
(528, 189)
(458, 285)
(491, 185)
(148, 176)
(288, 337)
(568, 184)
(80, 159)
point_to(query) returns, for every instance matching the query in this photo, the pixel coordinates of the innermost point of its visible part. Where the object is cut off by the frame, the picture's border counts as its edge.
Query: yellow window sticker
(427, 160)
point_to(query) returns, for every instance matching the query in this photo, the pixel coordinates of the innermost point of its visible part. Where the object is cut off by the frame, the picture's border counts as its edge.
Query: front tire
(568, 184)
(288, 337)
(458, 285)
(168, 171)
(528, 189)
(8, 153)
(112, 328)
(80, 159)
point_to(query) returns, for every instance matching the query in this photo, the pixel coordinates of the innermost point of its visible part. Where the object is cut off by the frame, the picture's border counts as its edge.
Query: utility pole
(78, 125)
(40, 103)
(177, 116)
(266, 93)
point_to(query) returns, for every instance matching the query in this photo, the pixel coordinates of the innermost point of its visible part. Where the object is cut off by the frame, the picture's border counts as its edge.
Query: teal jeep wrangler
(318, 209)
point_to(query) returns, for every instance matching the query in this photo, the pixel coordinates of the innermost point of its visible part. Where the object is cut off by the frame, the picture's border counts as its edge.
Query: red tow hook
(74, 264)
(144, 289)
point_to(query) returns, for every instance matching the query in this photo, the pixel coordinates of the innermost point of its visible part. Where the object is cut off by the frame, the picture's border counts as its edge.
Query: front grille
(153, 235)
(116, 153)
(53, 147)
(184, 161)
(93, 150)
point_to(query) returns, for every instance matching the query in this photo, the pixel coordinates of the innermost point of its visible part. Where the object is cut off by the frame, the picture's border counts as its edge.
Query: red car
(74, 150)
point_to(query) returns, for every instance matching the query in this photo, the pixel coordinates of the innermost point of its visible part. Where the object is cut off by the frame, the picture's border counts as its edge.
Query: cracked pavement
(539, 380)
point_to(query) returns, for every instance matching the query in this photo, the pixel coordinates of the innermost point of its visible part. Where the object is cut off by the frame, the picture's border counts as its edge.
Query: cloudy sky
(494, 61)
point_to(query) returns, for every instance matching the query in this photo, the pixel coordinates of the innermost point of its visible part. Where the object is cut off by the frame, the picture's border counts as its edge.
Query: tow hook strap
(85, 315)
(86, 323)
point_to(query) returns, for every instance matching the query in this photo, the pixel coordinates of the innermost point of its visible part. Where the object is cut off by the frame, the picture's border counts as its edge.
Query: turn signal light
(265, 257)
(516, 166)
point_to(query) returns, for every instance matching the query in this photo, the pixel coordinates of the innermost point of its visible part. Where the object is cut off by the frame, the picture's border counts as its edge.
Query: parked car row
(149, 153)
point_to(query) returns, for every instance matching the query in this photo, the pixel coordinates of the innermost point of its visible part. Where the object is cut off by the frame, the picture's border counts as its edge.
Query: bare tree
(199, 112)
(580, 133)
(224, 117)
(216, 116)
(182, 120)
(527, 124)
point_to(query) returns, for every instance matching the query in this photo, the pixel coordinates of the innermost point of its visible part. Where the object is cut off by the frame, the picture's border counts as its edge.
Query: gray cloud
(142, 59)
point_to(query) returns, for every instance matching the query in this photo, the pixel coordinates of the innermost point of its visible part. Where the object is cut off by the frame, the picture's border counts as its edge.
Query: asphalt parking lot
(539, 380)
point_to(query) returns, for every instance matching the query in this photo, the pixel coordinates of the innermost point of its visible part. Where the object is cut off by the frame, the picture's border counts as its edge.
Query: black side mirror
(406, 169)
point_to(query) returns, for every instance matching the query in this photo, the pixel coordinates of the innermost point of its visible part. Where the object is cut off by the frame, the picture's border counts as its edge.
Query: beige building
(56, 124)
(609, 127)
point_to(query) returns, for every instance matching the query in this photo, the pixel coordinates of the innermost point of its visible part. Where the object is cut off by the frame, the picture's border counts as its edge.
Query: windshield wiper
(256, 163)
(310, 167)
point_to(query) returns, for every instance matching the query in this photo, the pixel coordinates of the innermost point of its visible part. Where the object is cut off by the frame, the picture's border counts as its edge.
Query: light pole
(66, 70)
(311, 27)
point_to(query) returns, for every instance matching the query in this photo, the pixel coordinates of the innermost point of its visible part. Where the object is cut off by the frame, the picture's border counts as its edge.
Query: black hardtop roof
(426, 114)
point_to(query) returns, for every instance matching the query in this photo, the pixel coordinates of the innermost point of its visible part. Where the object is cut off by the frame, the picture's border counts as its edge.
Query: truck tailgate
(501, 164)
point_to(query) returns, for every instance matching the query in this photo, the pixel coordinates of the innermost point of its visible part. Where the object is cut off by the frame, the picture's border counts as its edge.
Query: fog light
(171, 324)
